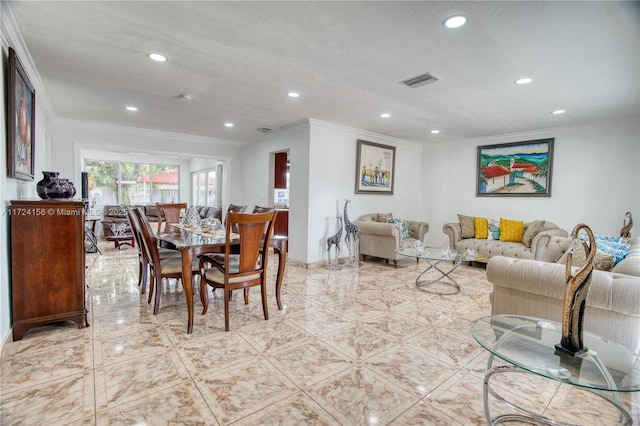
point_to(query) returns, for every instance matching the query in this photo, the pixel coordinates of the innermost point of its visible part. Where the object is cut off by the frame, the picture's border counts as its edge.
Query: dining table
(192, 241)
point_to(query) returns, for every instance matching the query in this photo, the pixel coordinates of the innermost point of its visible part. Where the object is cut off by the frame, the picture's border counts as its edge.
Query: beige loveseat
(532, 288)
(548, 245)
(381, 239)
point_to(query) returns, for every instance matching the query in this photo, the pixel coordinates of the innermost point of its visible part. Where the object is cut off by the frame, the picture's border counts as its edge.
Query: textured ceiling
(239, 59)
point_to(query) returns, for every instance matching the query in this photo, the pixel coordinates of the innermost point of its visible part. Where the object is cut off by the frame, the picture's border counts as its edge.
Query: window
(112, 182)
(203, 188)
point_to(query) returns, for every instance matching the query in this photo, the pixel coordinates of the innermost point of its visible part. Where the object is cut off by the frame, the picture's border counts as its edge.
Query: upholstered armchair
(381, 239)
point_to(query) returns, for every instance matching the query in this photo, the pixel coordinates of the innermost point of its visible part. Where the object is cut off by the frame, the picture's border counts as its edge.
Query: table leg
(187, 284)
(445, 279)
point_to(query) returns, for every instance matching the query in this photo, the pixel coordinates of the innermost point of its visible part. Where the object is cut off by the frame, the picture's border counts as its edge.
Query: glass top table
(527, 344)
(443, 283)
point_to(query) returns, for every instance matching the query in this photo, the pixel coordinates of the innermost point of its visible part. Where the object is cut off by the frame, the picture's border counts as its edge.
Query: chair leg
(246, 296)
(156, 303)
(152, 285)
(395, 264)
(265, 309)
(143, 276)
(204, 297)
(227, 296)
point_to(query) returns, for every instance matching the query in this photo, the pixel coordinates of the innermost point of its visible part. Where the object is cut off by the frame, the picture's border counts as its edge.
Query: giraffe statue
(351, 236)
(334, 240)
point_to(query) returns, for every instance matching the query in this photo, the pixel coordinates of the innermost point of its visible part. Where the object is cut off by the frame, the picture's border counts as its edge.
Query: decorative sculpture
(627, 224)
(575, 295)
(351, 239)
(334, 241)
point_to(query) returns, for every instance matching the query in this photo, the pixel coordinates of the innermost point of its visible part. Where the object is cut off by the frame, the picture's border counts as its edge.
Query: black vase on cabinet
(60, 188)
(41, 186)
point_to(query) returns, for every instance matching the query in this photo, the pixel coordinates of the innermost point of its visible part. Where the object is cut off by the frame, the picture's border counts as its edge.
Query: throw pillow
(403, 226)
(383, 217)
(532, 230)
(511, 230)
(494, 230)
(602, 261)
(481, 226)
(466, 223)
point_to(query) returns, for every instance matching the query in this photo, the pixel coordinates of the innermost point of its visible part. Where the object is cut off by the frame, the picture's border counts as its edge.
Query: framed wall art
(517, 169)
(375, 168)
(21, 111)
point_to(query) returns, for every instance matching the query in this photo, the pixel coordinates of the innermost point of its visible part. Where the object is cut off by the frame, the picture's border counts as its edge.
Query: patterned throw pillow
(466, 223)
(481, 226)
(511, 230)
(532, 230)
(403, 225)
(494, 230)
(602, 261)
(383, 217)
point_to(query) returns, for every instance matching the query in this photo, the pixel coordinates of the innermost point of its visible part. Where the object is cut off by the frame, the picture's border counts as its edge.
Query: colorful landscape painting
(515, 169)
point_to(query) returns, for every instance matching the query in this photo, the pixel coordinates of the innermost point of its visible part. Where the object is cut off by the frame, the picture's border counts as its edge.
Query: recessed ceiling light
(228, 124)
(132, 108)
(455, 21)
(435, 132)
(525, 80)
(385, 115)
(157, 57)
(558, 111)
(293, 94)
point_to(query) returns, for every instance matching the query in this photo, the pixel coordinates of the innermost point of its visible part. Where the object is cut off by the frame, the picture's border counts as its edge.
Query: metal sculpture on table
(575, 295)
(627, 224)
(334, 241)
(351, 239)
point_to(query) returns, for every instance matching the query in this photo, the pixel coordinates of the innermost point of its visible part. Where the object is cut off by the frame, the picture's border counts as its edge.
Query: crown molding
(11, 36)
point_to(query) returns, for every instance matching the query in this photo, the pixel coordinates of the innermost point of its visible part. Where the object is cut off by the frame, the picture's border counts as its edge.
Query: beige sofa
(547, 246)
(532, 288)
(381, 239)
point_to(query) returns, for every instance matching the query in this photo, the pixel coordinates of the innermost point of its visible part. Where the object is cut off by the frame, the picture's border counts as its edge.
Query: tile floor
(350, 347)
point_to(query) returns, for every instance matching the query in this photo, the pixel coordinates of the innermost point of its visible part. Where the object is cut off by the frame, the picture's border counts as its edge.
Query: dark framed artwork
(21, 121)
(517, 169)
(375, 168)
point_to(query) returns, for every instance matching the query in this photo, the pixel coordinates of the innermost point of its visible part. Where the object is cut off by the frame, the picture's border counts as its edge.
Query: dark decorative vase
(41, 187)
(60, 188)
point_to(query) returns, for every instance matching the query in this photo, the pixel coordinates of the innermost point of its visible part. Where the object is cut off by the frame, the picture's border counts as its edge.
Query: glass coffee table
(527, 345)
(444, 284)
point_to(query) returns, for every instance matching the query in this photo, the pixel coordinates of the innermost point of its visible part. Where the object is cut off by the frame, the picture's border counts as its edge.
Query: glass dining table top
(529, 344)
(184, 236)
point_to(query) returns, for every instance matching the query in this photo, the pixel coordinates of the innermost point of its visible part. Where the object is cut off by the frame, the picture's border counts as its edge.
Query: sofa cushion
(629, 266)
(481, 227)
(532, 230)
(403, 226)
(511, 230)
(602, 261)
(383, 217)
(467, 226)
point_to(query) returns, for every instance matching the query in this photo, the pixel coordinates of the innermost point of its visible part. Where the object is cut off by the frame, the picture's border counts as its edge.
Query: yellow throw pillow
(481, 226)
(511, 230)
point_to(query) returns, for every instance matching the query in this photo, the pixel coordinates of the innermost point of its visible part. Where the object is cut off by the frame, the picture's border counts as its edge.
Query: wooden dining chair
(260, 209)
(240, 270)
(169, 213)
(160, 268)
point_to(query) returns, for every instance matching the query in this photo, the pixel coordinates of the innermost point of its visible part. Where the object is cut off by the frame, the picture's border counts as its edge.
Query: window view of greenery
(113, 183)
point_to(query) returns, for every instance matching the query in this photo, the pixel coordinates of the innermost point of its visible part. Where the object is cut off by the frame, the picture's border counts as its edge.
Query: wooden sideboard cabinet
(47, 263)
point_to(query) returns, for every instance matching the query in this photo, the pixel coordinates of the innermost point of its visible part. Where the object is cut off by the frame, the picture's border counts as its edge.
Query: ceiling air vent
(420, 80)
(263, 129)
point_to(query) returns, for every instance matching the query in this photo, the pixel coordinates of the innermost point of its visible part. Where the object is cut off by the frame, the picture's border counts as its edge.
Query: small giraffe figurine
(334, 240)
(351, 231)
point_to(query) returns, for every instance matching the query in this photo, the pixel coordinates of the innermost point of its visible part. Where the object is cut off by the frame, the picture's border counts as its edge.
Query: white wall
(595, 180)
(258, 179)
(75, 141)
(332, 175)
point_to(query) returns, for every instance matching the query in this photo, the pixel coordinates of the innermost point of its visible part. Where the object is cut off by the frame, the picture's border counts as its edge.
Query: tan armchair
(381, 239)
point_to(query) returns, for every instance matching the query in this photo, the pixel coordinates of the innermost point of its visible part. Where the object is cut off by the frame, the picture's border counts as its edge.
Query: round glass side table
(527, 345)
